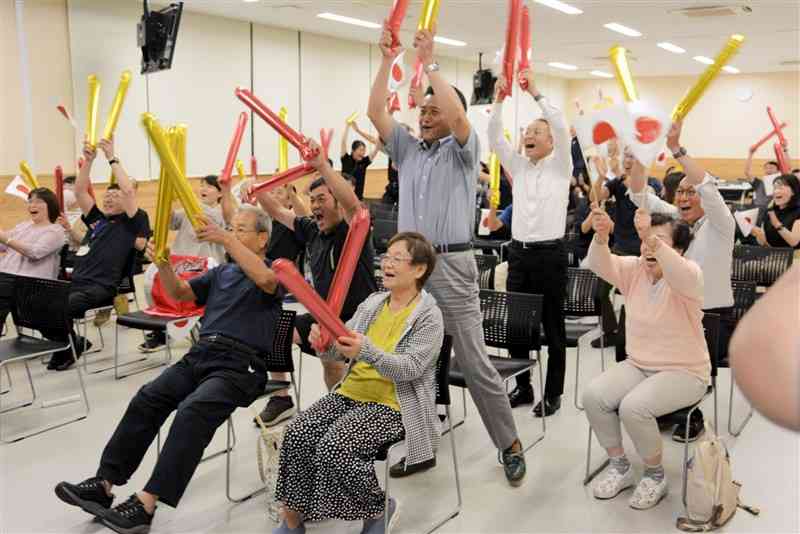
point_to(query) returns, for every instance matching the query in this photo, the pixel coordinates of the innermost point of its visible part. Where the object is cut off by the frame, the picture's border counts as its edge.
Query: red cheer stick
(291, 279)
(282, 178)
(233, 150)
(416, 82)
(776, 127)
(253, 167)
(780, 156)
(510, 52)
(346, 268)
(325, 138)
(298, 140)
(395, 20)
(524, 45)
(59, 174)
(766, 138)
(394, 102)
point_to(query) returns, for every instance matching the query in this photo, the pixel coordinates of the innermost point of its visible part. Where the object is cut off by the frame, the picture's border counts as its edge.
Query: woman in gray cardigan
(326, 465)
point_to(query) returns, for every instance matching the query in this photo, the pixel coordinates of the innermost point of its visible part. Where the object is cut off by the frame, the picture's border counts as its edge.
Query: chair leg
(21, 404)
(227, 452)
(457, 510)
(738, 429)
(577, 375)
(540, 437)
(4, 391)
(589, 473)
(685, 469)
(117, 365)
(296, 392)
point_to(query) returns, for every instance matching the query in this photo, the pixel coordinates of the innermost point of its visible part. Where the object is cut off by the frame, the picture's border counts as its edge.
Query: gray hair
(263, 220)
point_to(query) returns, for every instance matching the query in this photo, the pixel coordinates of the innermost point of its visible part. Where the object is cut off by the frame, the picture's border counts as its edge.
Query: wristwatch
(112, 161)
(680, 153)
(433, 67)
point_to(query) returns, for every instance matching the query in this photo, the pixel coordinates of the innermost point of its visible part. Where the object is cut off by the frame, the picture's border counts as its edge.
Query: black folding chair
(581, 301)
(442, 399)
(762, 265)
(711, 325)
(510, 320)
(40, 304)
(744, 296)
(486, 267)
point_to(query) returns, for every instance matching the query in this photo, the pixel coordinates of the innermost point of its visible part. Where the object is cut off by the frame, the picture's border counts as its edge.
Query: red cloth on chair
(186, 267)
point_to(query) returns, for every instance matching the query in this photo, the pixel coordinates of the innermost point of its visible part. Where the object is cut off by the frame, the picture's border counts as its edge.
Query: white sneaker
(648, 493)
(612, 482)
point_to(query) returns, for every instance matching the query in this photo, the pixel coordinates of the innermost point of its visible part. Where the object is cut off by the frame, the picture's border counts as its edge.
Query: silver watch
(433, 67)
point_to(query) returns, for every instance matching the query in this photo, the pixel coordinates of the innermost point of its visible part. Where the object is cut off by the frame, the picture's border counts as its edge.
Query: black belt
(456, 247)
(230, 343)
(552, 243)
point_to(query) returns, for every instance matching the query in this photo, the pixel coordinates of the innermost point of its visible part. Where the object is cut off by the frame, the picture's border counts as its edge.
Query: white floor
(552, 499)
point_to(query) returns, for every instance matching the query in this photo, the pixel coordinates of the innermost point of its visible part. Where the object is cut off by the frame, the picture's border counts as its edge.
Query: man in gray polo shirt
(438, 177)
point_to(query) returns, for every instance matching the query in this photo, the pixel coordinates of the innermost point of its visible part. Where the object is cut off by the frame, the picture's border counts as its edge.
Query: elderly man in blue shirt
(438, 177)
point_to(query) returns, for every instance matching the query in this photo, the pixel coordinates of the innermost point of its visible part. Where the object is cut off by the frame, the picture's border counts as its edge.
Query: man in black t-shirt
(221, 372)
(356, 163)
(108, 255)
(333, 204)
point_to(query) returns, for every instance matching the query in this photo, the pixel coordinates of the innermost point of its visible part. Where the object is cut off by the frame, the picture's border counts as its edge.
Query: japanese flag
(18, 188)
(746, 220)
(397, 75)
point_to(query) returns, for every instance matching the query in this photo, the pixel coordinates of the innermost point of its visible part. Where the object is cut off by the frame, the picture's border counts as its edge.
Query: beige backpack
(268, 454)
(712, 495)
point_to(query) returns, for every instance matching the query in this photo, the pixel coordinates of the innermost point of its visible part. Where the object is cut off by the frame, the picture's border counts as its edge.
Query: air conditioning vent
(790, 63)
(702, 12)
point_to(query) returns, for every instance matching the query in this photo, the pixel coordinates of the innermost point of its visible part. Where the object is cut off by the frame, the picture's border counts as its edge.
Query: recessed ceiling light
(669, 47)
(348, 20)
(704, 59)
(732, 70)
(448, 41)
(250, 1)
(601, 74)
(624, 30)
(560, 6)
(564, 66)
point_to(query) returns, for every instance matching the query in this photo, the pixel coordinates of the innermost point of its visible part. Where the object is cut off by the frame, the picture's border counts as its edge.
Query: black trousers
(205, 387)
(6, 298)
(82, 297)
(543, 271)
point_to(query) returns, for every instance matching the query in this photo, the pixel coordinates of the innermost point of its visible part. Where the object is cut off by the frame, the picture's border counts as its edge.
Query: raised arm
(345, 135)
(748, 166)
(176, 288)
(497, 141)
(682, 275)
(562, 142)
(340, 188)
(642, 197)
(46, 244)
(447, 97)
(376, 110)
(372, 139)
(600, 260)
(129, 203)
(83, 180)
(284, 216)
(299, 207)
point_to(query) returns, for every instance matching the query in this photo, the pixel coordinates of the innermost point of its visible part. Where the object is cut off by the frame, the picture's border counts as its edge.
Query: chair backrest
(379, 282)
(486, 266)
(711, 326)
(41, 304)
(581, 298)
(280, 359)
(511, 319)
(744, 295)
(762, 265)
(443, 372)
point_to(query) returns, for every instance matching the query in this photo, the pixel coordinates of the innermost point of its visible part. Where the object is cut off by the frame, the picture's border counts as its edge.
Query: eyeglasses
(394, 260)
(244, 231)
(687, 192)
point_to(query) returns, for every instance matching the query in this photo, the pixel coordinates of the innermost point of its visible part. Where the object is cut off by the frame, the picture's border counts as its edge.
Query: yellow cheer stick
(494, 183)
(27, 175)
(283, 144)
(507, 134)
(623, 73)
(91, 117)
(163, 211)
(352, 118)
(116, 106)
(430, 12)
(240, 169)
(696, 91)
(183, 191)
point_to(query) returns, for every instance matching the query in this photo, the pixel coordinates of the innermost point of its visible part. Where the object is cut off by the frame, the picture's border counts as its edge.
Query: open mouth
(317, 216)
(530, 146)
(650, 260)
(685, 209)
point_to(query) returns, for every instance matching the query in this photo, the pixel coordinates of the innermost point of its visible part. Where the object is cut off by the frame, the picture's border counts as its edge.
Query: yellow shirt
(364, 383)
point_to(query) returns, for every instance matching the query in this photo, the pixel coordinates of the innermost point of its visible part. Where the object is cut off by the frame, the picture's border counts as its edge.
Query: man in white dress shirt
(537, 261)
(699, 203)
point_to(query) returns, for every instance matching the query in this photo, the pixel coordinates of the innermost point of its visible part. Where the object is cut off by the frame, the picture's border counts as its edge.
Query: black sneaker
(551, 406)
(68, 362)
(518, 397)
(513, 465)
(278, 408)
(400, 469)
(90, 495)
(129, 517)
(696, 427)
(153, 342)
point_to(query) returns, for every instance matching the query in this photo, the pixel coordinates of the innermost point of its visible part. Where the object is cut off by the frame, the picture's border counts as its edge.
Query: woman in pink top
(31, 248)
(668, 366)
